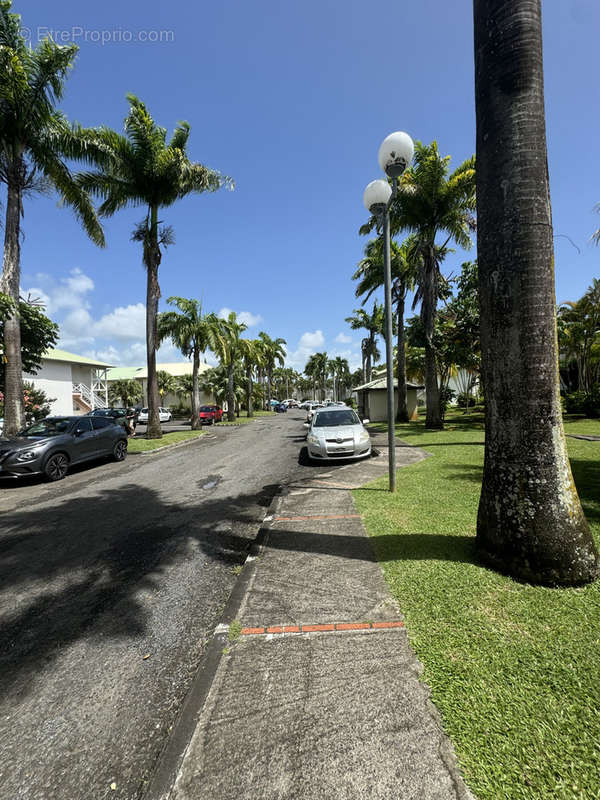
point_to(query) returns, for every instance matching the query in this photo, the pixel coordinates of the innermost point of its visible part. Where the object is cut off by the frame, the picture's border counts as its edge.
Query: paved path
(320, 696)
(111, 583)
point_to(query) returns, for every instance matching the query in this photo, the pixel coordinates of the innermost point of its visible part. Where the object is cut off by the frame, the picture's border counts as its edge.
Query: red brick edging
(334, 626)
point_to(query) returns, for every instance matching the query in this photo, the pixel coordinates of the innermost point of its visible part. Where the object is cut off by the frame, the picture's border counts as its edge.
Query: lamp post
(395, 154)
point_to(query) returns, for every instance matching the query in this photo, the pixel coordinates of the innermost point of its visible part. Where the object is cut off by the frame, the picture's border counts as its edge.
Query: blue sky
(291, 99)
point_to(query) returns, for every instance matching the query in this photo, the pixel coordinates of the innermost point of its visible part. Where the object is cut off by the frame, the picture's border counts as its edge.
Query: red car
(210, 414)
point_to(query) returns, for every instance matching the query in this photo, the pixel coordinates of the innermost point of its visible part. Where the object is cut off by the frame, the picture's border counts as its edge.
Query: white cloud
(125, 322)
(343, 338)
(66, 293)
(309, 343)
(247, 317)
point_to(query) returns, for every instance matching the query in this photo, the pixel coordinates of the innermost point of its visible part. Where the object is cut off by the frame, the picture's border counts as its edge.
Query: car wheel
(56, 467)
(120, 450)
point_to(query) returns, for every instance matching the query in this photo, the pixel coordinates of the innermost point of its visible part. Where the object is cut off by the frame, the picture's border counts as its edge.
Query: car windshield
(207, 408)
(331, 419)
(48, 427)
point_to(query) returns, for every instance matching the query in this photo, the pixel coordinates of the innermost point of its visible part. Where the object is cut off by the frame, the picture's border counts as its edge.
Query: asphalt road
(111, 582)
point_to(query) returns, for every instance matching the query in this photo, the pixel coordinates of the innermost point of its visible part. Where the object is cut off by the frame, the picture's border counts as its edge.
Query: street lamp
(395, 154)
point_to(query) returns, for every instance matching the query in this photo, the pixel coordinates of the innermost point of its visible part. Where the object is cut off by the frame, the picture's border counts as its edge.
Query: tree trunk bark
(433, 418)
(530, 521)
(153, 256)
(402, 412)
(268, 388)
(249, 391)
(14, 413)
(230, 393)
(196, 425)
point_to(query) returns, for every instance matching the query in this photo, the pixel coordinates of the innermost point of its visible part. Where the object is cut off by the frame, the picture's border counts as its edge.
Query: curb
(167, 447)
(169, 762)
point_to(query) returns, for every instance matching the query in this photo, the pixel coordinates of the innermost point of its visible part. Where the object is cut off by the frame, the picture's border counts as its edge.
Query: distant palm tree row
(324, 373)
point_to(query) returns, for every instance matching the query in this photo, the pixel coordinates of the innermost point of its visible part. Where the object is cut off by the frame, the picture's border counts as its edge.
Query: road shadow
(78, 570)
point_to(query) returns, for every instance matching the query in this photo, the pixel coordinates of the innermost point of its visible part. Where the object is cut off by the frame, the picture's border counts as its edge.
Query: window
(331, 419)
(84, 425)
(101, 422)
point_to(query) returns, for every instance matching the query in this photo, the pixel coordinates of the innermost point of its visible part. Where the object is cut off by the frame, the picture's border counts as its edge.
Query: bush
(465, 400)
(587, 403)
(447, 395)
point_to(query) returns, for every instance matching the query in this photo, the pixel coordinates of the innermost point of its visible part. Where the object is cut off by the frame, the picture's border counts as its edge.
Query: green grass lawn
(143, 445)
(514, 669)
(243, 418)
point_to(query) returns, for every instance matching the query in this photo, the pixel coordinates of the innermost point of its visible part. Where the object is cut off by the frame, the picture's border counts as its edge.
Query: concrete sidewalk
(319, 695)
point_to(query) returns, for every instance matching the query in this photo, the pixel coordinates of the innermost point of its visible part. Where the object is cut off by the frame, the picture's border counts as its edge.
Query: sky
(292, 100)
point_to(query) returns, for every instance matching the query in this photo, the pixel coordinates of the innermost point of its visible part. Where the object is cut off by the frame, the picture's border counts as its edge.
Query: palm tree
(341, 372)
(404, 268)
(374, 324)
(429, 203)
(127, 392)
(229, 348)
(141, 169)
(35, 140)
(252, 357)
(579, 335)
(273, 353)
(190, 331)
(166, 383)
(530, 521)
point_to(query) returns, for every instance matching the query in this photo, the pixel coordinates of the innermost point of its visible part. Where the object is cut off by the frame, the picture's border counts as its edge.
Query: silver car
(337, 433)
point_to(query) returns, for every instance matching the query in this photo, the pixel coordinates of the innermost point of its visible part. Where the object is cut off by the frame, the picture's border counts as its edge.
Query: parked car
(337, 433)
(210, 414)
(118, 414)
(273, 404)
(163, 413)
(304, 404)
(52, 445)
(280, 408)
(310, 411)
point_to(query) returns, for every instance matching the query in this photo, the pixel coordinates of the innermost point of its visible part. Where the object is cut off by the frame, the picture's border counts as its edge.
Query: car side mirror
(365, 421)
(306, 425)
(79, 431)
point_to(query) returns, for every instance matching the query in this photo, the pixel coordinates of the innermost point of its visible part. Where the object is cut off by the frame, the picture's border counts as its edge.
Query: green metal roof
(123, 373)
(62, 355)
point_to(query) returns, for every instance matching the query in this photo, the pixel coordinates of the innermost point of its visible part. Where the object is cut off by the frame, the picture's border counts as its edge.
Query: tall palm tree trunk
(530, 521)
(230, 392)
(196, 425)
(433, 416)
(268, 388)
(14, 414)
(402, 411)
(249, 391)
(153, 257)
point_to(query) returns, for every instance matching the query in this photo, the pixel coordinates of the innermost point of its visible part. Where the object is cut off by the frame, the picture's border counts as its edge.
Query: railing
(92, 399)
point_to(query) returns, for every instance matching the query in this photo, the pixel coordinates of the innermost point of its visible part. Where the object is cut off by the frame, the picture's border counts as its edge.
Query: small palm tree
(373, 323)
(228, 347)
(35, 140)
(141, 169)
(127, 392)
(252, 357)
(190, 331)
(273, 353)
(167, 384)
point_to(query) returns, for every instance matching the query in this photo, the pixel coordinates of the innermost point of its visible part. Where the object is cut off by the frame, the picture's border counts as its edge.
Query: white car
(163, 413)
(337, 432)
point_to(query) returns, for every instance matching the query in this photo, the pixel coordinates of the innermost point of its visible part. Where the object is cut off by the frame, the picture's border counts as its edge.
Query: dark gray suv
(52, 445)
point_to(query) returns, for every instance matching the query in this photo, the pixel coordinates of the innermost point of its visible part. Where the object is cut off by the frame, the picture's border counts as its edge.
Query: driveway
(111, 583)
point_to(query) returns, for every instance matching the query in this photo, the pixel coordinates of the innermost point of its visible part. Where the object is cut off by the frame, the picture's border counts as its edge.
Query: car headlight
(363, 437)
(28, 455)
(312, 439)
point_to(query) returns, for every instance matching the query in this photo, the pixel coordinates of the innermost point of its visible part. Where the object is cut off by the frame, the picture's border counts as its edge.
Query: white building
(372, 399)
(75, 384)
(176, 369)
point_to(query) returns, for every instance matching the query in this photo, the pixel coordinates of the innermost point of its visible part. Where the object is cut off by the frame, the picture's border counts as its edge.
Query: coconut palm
(404, 269)
(190, 331)
(35, 140)
(126, 392)
(530, 522)
(340, 372)
(229, 348)
(141, 169)
(273, 353)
